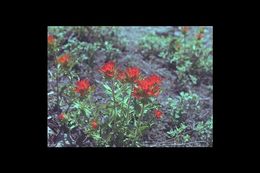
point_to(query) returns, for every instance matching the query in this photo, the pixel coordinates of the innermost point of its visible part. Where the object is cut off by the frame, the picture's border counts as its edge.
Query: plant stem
(137, 128)
(57, 78)
(57, 85)
(142, 111)
(128, 104)
(68, 104)
(113, 94)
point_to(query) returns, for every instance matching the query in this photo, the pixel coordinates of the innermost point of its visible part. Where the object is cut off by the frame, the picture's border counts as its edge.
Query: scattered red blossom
(51, 39)
(158, 113)
(94, 124)
(64, 59)
(82, 87)
(61, 116)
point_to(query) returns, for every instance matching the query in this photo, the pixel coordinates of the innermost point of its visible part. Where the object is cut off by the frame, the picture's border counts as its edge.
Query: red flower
(121, 76)
(82, 87)
(158, 114)
(51, 39)
(185, 29)
(147, 87)
(94, 124)
(155, 79)
(132, 73)
(108, 69)
(64, 59)
(199, 36)
(61, 117)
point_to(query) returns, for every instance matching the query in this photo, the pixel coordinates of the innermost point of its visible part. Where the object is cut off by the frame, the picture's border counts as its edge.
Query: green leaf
(131, 135)
(172, 133)
(135, 124)
(142, 128)
(73, 126)
(117, 95)
(107, 87)
(97, 137)
(87, 112)
(77, 105)
(177, 116)
(110, 124)
(125, 101)
(186, 138)
(193, 79)
(137, 107)
(183, 126)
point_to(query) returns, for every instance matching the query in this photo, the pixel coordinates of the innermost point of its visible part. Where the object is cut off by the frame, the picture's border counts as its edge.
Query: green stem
(57, 78)
(113, 94)
(57, 85)
(128, 104)
(138, 125)
(142, 111)
(69, 104)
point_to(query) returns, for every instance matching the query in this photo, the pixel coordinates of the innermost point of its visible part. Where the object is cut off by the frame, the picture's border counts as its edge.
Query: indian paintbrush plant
(129, 110)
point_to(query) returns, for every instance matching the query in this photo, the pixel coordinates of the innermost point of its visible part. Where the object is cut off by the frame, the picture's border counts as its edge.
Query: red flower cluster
(61, 117)
(82, 87)
(131, 74)
(64, 59)
(51, 39)
(158, 113)
(121, 75)
(108, 69)
(155, 79)
(147, 87)
(94, 124)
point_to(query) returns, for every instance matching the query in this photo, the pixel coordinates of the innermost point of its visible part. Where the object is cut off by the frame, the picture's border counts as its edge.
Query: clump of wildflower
(64, 59)
(147, 87)
(82, 87)
(108, 69)
(132, 73)
(51, 39)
